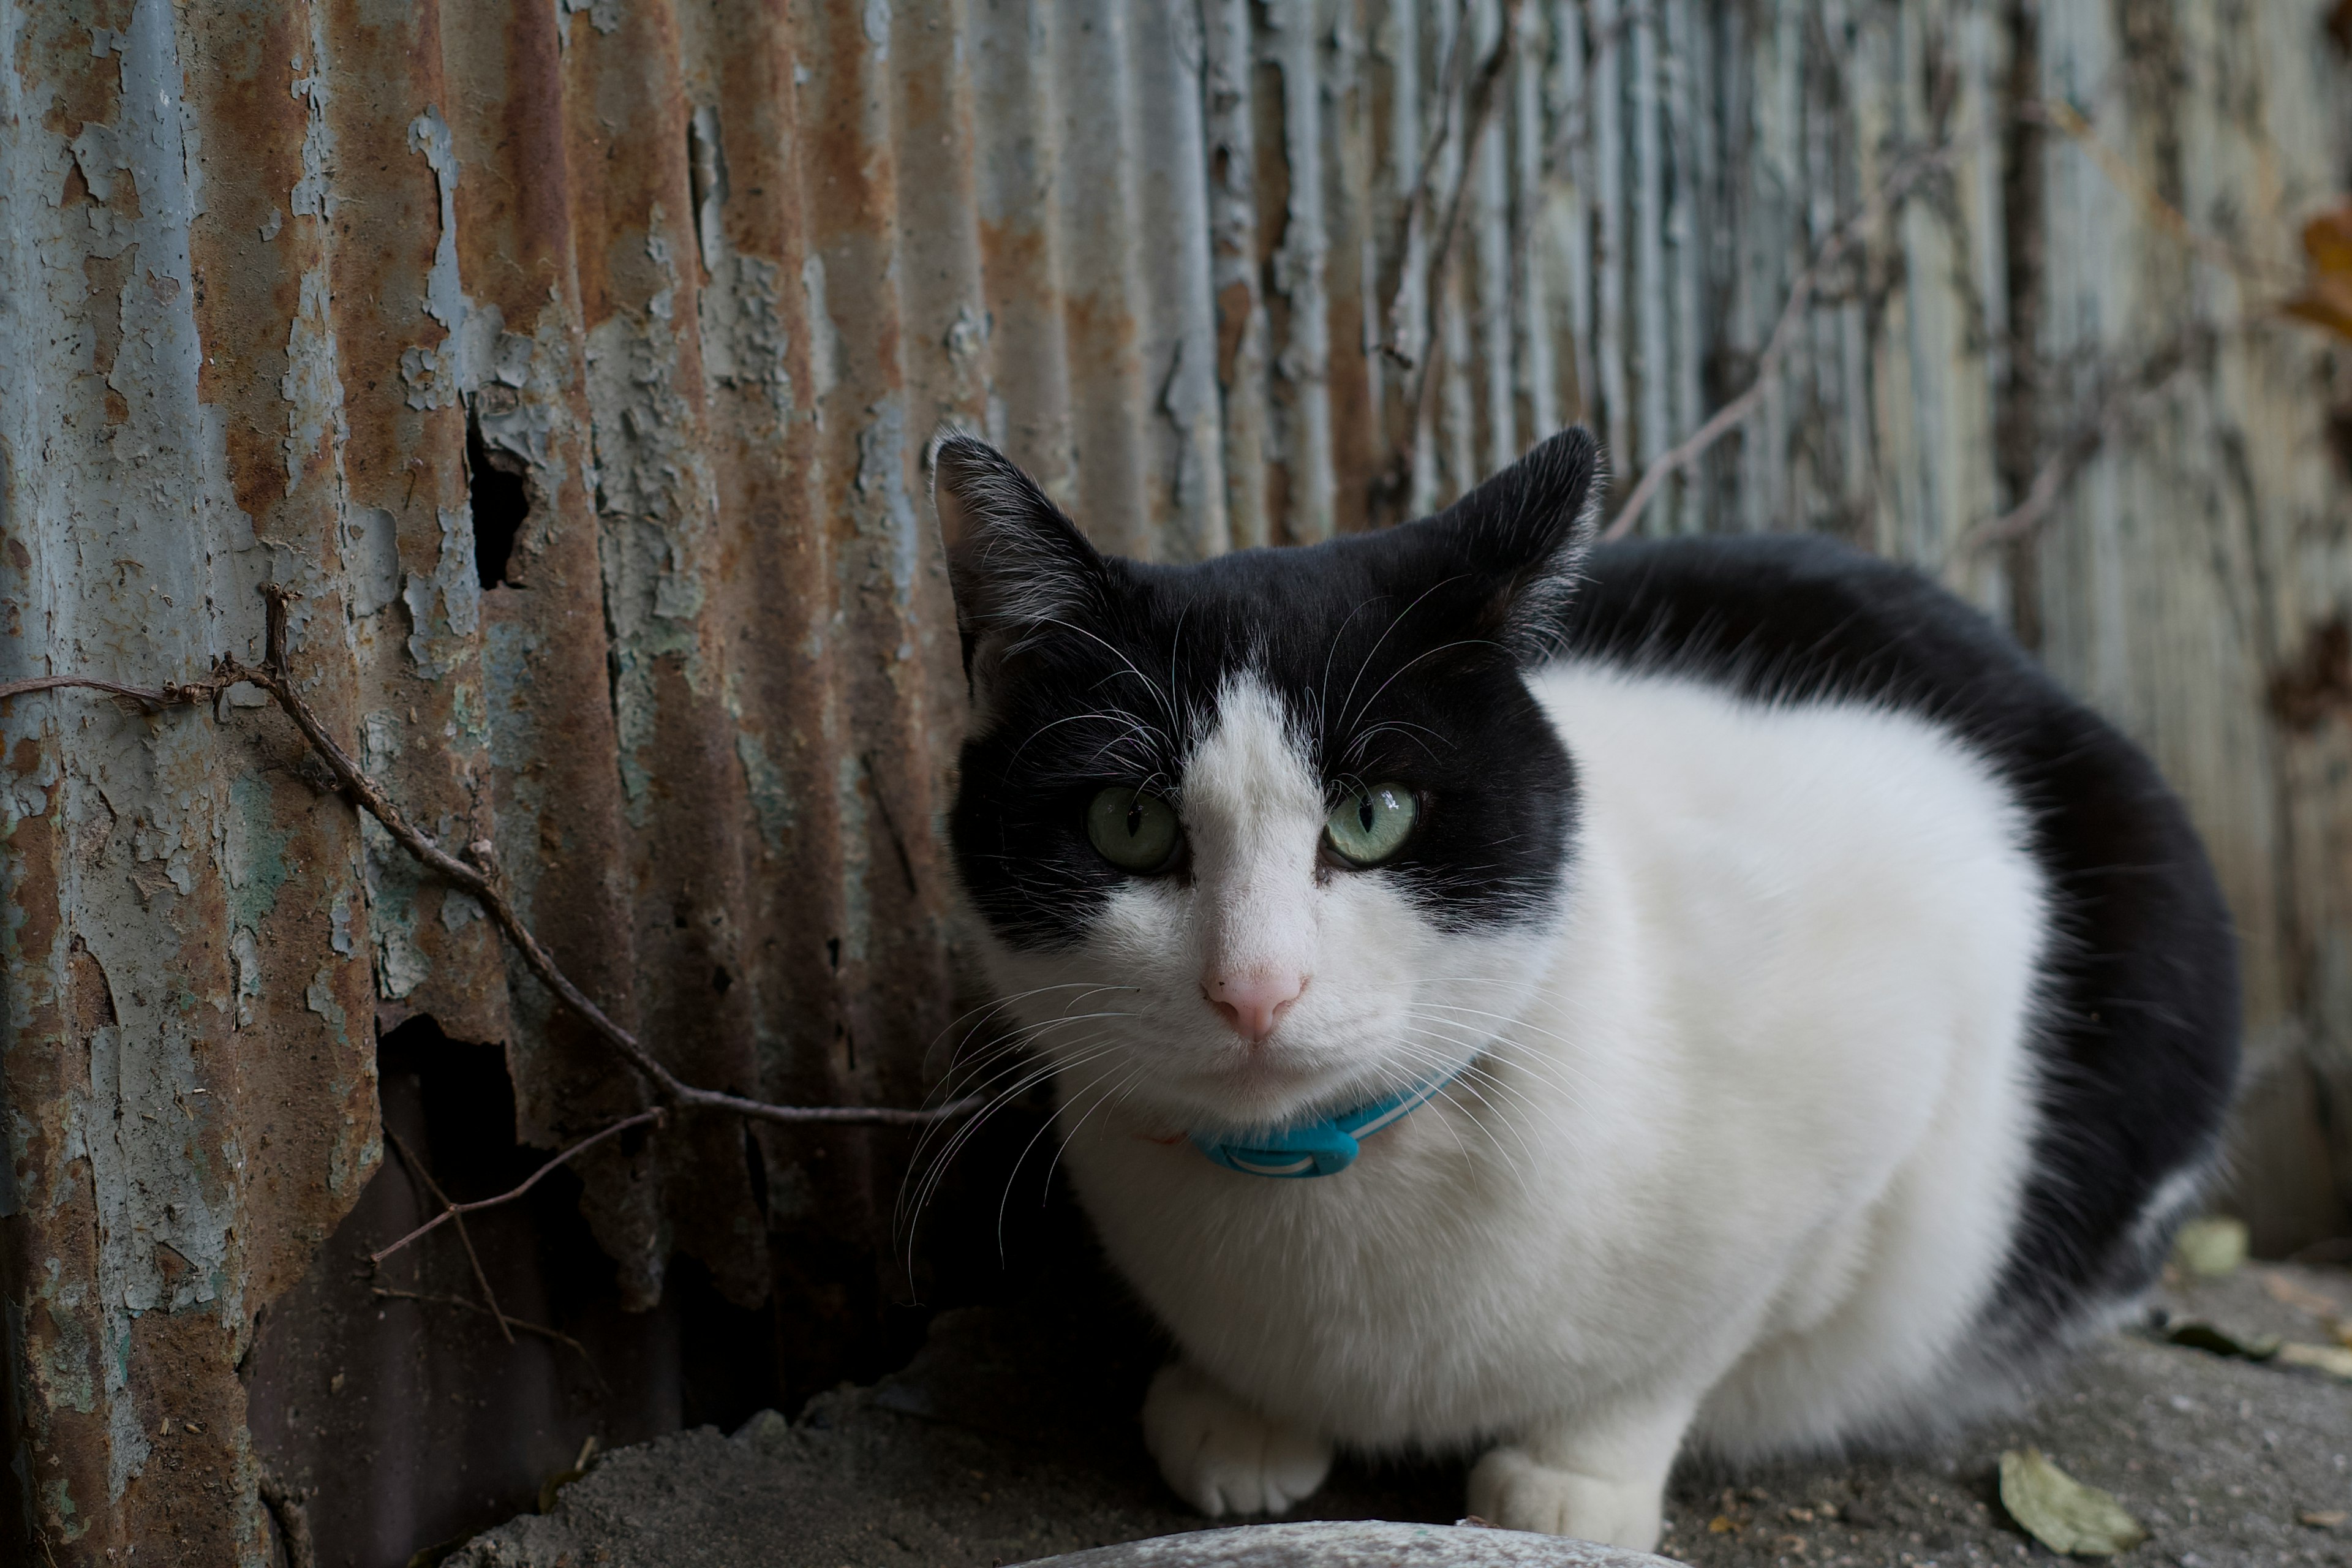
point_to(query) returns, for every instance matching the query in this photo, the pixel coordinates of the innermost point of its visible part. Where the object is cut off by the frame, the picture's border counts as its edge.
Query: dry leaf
(2287, 1292)
(552, 1486)
(2062, 1513)
(2211, 1247)
(1721, 1524)
(2326, 299)
(2336, 1361)
(2203, 1336)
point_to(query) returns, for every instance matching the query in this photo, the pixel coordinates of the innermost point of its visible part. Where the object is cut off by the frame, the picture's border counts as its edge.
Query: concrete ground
(1013, 1437)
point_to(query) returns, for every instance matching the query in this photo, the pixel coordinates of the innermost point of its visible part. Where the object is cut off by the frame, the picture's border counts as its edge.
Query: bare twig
(1907, 173)
(477, 875)
(153, 697)
(556, 1336)
(1483, 98)
(2119, 172)
(481, 1277)
(1575, 133)
(2039, 497)
(2115, 410)
(453, 1211)
(1416, 211)
(1420, 358)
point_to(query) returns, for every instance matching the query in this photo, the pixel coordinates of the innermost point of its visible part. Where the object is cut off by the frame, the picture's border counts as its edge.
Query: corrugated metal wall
(573, 360)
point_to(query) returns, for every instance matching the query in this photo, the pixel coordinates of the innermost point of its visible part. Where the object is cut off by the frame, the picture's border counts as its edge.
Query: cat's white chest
(1396, 1303)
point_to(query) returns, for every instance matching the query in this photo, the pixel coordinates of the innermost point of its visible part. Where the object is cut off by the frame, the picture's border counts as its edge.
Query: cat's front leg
(1221, 1456)
(1602, 1479)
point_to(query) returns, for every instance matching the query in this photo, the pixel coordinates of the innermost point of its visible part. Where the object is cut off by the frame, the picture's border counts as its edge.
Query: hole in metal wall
(755, 1166)
(500, 500)
(389, 1397)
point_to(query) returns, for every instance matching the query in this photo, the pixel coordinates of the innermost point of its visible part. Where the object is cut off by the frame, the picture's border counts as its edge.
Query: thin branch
(1891, 190)
(153, 697)
(1416, 211)
(2119, 172)
(641, 1118)
(481, 1277)
(478, 876)
(387, 1293)
(1482, 99)
(1575, 135)
(2116, 411)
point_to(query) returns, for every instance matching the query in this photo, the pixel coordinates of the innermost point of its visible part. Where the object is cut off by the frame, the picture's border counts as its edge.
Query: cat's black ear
(1526, 531)
(1016, 564)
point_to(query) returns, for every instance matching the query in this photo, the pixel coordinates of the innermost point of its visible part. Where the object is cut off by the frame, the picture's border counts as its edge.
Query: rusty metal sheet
(575, 361)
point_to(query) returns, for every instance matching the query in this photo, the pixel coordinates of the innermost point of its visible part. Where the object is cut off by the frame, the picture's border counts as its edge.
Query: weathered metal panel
(2203, 561)
(575, 361)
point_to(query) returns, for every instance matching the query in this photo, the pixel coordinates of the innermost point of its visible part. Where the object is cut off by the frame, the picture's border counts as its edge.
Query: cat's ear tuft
(1527, 531)
(1015, 563)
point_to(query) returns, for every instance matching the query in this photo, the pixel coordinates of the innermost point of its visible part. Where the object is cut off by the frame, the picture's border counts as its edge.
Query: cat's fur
(1845, 1015)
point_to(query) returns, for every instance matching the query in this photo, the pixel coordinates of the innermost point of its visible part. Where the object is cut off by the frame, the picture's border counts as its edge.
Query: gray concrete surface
(1013, 1437)
(1355, 1543)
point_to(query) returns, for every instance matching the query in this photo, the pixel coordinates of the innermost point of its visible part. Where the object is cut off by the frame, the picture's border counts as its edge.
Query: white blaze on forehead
(1253, 808)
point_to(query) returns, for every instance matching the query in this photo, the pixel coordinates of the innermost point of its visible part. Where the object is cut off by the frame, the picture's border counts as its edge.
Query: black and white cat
(1716, 992)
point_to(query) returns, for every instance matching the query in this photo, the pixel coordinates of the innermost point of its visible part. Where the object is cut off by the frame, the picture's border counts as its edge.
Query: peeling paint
(769, 788)
(435, 376)
(882, 480)
(445, 608)
(401, 966)
(825, 339)
(654, 503)
(371, 550)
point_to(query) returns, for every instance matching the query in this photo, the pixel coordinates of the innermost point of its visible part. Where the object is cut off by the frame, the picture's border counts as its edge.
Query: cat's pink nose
(1251, 1003)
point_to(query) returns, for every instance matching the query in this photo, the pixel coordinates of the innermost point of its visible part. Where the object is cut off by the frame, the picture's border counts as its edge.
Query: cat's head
(1277, 833)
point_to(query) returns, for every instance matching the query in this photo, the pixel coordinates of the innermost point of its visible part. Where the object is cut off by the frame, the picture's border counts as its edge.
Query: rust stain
(1234, 303)
(49, 1243)
(2316, 684)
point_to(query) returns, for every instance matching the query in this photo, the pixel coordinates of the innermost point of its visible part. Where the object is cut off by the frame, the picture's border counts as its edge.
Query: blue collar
(1322, 1147)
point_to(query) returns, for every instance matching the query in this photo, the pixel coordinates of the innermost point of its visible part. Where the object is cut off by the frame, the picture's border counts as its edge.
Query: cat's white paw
(1509, 1488)
(1221, 1457)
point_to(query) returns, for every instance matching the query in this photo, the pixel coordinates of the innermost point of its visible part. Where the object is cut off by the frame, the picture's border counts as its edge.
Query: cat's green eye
(1371, 825)
(1134, 830)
